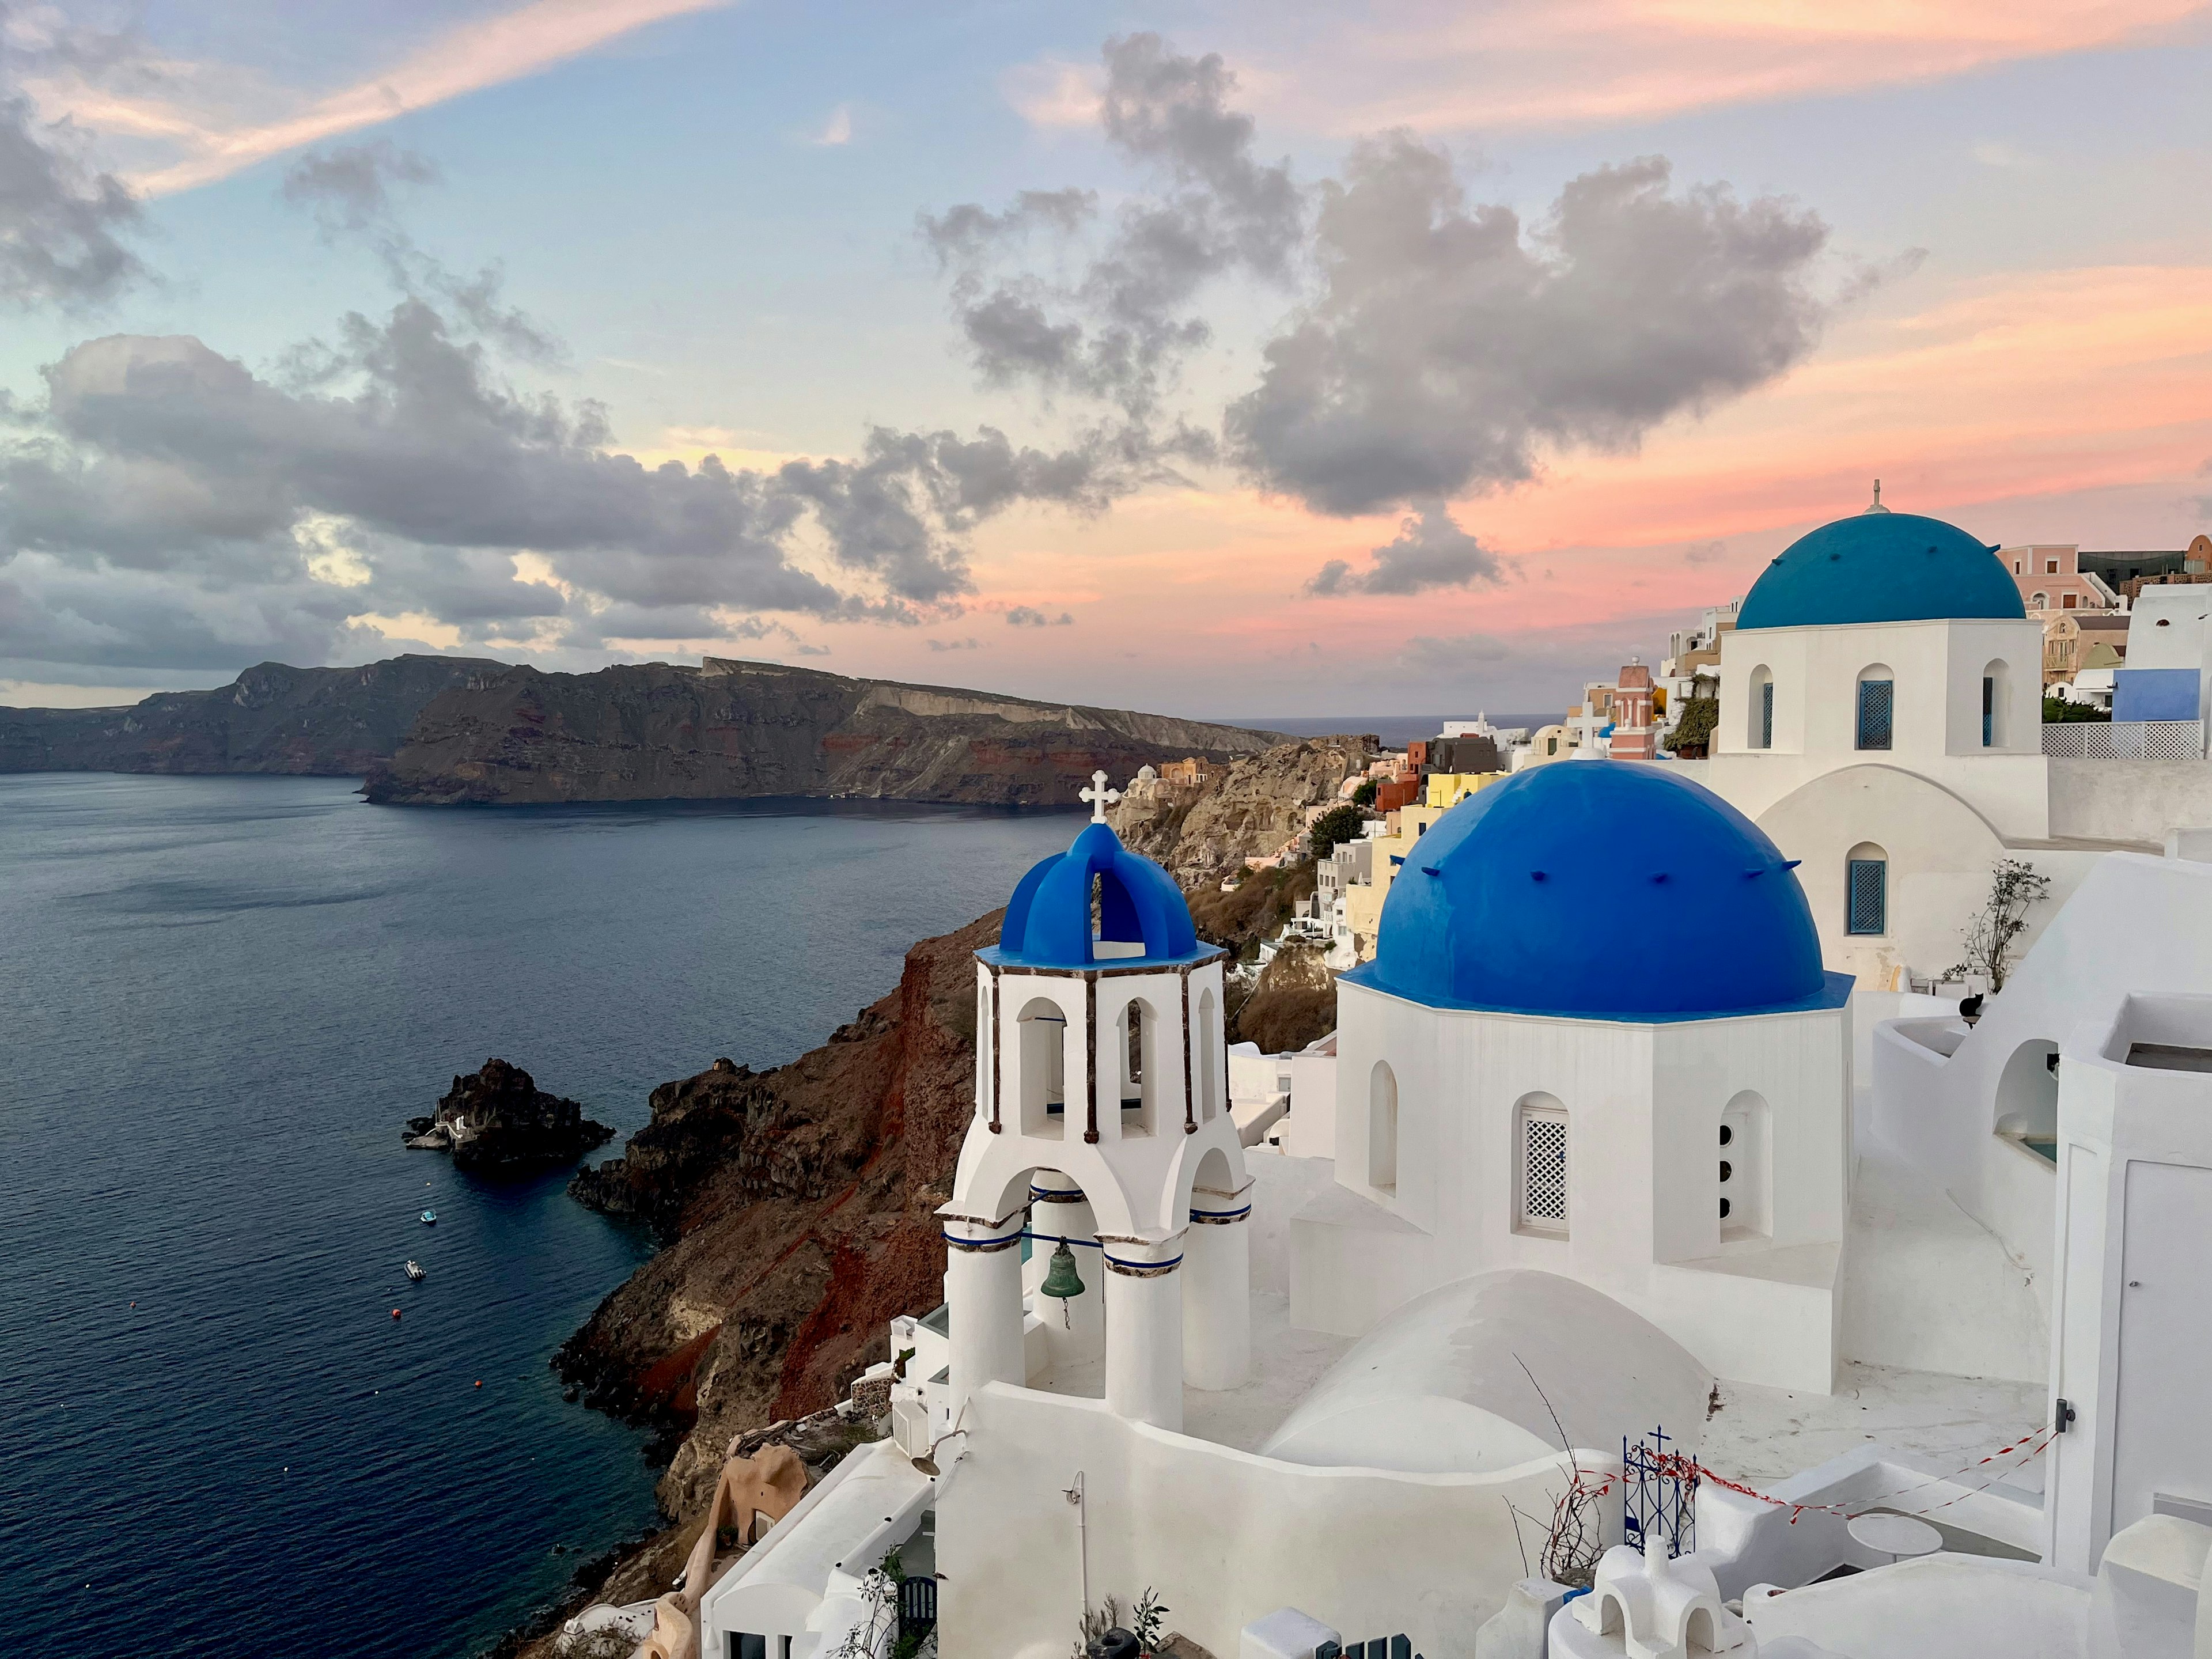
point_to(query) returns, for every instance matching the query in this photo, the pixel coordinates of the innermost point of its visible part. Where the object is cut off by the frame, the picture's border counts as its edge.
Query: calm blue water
(218, 999)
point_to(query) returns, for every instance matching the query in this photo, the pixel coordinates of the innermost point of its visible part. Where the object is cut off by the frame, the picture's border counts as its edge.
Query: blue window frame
(1766, 715)
(1866, 897)
(1989, 711)
(1877, 698)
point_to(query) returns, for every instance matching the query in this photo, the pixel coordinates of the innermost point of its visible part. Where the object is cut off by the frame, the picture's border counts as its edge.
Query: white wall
(1937, 669)
(1224, 1536)
(2129, 800)
(1643, 1105)
(2135, 923)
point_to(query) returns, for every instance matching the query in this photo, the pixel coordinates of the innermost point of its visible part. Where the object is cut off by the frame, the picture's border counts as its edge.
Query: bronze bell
(1060, 1279)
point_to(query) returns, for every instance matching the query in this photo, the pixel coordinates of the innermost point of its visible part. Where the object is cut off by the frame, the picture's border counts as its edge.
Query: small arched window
(1993, 686)
(1866, 890)
(1136, 1040)
(1382, 1128)
(1539, 1162)
(1877, 706)
(1760, 734)
(1746, 1166)
(1202, 1061)
(2038, 602)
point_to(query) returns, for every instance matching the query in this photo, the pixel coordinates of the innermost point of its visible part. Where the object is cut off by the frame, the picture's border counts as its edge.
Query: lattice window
(1544, 1169)
(1866, 895)
(1766, 715)
(1877, 699)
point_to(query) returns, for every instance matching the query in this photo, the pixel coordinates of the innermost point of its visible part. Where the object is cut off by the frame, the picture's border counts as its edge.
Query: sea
(229, 1425)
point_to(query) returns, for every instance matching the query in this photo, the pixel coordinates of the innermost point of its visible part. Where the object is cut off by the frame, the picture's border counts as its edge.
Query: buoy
(395, 1313)
(480, 1381)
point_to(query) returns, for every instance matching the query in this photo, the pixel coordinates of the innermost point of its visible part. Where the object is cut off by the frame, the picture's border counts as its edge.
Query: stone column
(1075, 1333)
(1216, 1306)
(1143, 1331)
(983, 1302)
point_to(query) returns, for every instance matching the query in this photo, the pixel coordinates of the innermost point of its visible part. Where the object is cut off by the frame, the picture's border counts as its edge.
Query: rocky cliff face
(730, 730)
(800, 1204)
(326, 722)
(497, 1120)
(1245, 810)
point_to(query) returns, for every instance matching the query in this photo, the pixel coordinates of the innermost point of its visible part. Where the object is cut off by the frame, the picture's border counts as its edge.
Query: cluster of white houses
(1919, 1297)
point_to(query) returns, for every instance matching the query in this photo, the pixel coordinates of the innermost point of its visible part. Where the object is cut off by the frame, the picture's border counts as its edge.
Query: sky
(1295, 359)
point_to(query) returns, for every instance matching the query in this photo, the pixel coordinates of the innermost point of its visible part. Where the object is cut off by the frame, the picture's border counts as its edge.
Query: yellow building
(1448, 789)
(1363, 905)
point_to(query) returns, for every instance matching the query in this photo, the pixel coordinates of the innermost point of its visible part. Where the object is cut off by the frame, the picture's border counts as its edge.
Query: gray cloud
(955, 645)
(63, 219)
(168, 505)
(1026, 616)
(1117, 331)
(1705, 552)
(349, 188)
(1430, 550)
(1446, 346)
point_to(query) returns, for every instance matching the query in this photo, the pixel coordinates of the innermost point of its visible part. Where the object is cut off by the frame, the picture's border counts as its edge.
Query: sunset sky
(1287, 360)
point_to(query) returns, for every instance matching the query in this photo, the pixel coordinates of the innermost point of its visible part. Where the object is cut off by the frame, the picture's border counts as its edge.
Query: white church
(1610, 1204)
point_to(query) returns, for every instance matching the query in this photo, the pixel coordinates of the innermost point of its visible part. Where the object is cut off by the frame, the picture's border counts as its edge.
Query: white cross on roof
(1100, 797)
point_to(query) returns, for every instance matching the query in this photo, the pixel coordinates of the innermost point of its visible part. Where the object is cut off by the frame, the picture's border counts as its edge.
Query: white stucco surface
(1762, 1436)
(1466, 1379)
(1943, 1607)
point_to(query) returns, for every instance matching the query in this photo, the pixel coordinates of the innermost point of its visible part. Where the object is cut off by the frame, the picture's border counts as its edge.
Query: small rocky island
(499, 1122)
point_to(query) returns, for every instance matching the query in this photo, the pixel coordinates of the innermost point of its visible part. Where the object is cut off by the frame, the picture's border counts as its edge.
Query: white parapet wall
(1224, 1537)
(1964, 1108)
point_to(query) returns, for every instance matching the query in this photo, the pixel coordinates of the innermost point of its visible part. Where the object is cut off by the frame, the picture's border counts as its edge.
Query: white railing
(2162, 740)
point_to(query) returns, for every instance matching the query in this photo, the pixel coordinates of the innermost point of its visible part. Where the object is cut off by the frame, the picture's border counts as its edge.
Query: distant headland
(444, 731)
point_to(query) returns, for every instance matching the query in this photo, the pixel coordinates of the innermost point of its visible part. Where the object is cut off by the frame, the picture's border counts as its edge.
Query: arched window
(1136, 1040)
(2027, 1097)
(1760, 734)
(1041, 1068)
(1539, 1162)
(1746, 1167)
(2038, 602)
(1866, 890)
(1876, 706)
(1993, 686)
(1203, 1061)
(1382, 1128)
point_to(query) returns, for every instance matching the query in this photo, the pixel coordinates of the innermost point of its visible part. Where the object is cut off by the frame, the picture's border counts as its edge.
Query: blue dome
(1880, 567)
(1601, 890)
(1047, 921)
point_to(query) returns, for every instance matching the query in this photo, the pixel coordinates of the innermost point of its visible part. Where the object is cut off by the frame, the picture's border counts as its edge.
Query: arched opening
(2038, 602)
(1760, 731)
(1698, 1634)
(1866, 891)
(2027, 1097)
(1040, 1068)
(1877, 707)
(1745, 1158)
(1114, 929)
(1135, 1046)
(1995, 683)
(1382, 1128)
(1540, 1163)
(1612, 1615)
(1070, 1354)
(1203, 1061)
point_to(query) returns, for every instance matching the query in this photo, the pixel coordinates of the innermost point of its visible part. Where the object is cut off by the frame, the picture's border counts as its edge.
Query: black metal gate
(1658, 1494)
(917, 1605)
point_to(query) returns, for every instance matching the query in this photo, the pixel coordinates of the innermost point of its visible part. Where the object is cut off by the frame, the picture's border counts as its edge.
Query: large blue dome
(1601, 889)
(1879, 567)
(1142, 915)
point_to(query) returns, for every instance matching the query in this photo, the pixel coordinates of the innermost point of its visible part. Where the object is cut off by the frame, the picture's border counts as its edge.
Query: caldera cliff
(730, 730)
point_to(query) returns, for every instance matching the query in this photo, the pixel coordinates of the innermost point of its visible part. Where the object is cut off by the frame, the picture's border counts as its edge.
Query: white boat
(429, 1217)
(414, 1269)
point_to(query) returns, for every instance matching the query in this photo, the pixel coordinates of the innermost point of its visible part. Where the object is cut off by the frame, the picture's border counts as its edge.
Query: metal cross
(1099, 796)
